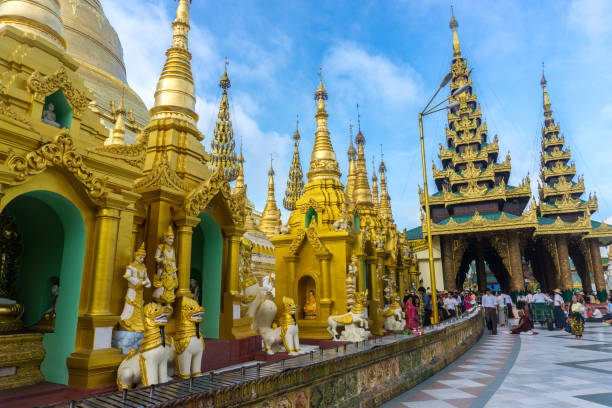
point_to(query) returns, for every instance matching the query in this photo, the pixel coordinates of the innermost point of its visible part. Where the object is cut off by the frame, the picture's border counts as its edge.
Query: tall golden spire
(223, 154)
(271, 216)
(453, 25)
(374, 186)
(352, 172)
(240, 185)
(295, 182)
(323, 164)
(363, 194)
(384, 208)
(559, 193)
(175, 89)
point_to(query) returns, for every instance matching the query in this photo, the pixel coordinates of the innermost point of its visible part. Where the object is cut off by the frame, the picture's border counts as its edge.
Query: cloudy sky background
(389, 57)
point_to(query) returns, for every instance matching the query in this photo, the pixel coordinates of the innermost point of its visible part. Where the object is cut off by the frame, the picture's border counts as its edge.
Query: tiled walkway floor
(551, 369)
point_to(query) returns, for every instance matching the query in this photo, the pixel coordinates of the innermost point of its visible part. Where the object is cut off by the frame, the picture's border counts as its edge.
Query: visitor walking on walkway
(559, 305)
(490, 307)
(501, 309)
(576, 319)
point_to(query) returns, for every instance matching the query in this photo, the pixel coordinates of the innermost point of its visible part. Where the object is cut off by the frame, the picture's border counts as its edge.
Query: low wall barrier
(364, 374)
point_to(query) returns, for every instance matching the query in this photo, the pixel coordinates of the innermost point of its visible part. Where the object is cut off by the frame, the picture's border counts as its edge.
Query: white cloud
(360, 75)
(591, 18)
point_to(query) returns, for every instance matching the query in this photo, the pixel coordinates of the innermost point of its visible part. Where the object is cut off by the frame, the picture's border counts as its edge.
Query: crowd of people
(499, 308)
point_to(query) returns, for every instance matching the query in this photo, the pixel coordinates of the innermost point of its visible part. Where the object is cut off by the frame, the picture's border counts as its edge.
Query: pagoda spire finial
(323, 164)
(363, 194)
(545, 98)
(271, 216)
(453, 25)
(175, 89)
(384, 208)
(374, 185)
(223, 154)
(117, 136)
(240, 185)
(352, 172)
(295, 181)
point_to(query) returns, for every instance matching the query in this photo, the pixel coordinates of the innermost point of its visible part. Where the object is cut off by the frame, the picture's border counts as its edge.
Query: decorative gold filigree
(197, 200)
(162, 175)
(313, 239)
(500, 243)
(133, 154)
(5, 110)
(41, 86)
(59, 152)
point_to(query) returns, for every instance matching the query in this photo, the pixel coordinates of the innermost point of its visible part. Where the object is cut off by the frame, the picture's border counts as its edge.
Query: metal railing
(212, 381)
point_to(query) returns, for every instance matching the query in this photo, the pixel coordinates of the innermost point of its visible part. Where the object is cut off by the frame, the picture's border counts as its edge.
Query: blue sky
(389, 57)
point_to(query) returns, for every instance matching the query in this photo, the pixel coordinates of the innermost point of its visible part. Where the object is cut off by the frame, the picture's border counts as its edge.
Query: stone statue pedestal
(22, 355)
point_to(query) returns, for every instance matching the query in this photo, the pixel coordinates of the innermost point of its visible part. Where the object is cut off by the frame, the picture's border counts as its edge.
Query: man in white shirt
(450, 305)
(529, 297)
(490, 305)
(540, 297)
(509, 304)
(559, 304)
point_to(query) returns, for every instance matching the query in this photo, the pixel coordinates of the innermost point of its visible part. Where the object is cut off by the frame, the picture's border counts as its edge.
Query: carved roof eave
(568, 207)
(479, 223)
(556, 171)
(59, 152)
(312, 237)
(44, 85)
(555, 155)
(450, 198)
(603, 231)
(562, 187)
(552, 141)
(217, 185)
(581, 226)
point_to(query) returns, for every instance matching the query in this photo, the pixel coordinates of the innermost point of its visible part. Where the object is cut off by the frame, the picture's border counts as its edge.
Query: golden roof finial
(323, 164)
(363, 194)
(240, 185)
(545, 100)
(175, 89)
(295, 182)
(352, 172)
(117, 135)
(384, 208)
(271, 216)
(453, 25)
(223, 154)
(375, 202)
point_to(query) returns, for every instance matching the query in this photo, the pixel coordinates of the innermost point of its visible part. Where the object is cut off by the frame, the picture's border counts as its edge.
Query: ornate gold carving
(197, 200)
(59, 152)
(5, 110)
(582, 224)
(478, 223)
(42, 86)
(313, 239)
(162, 175)
(473, 189)
(133, 154)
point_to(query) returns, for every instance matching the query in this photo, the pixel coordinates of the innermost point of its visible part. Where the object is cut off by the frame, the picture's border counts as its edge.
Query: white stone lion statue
(148, 365)
(394, 318)
(355, 322)
(263, 309)
(187, 343)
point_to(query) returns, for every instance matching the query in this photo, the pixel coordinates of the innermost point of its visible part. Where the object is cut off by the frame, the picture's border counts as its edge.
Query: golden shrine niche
(101, 177)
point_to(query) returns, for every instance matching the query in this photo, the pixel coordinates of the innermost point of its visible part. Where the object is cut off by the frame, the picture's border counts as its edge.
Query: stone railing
(362, 374)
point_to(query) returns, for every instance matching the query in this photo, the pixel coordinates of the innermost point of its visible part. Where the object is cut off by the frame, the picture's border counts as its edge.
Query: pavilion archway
(53, 236)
